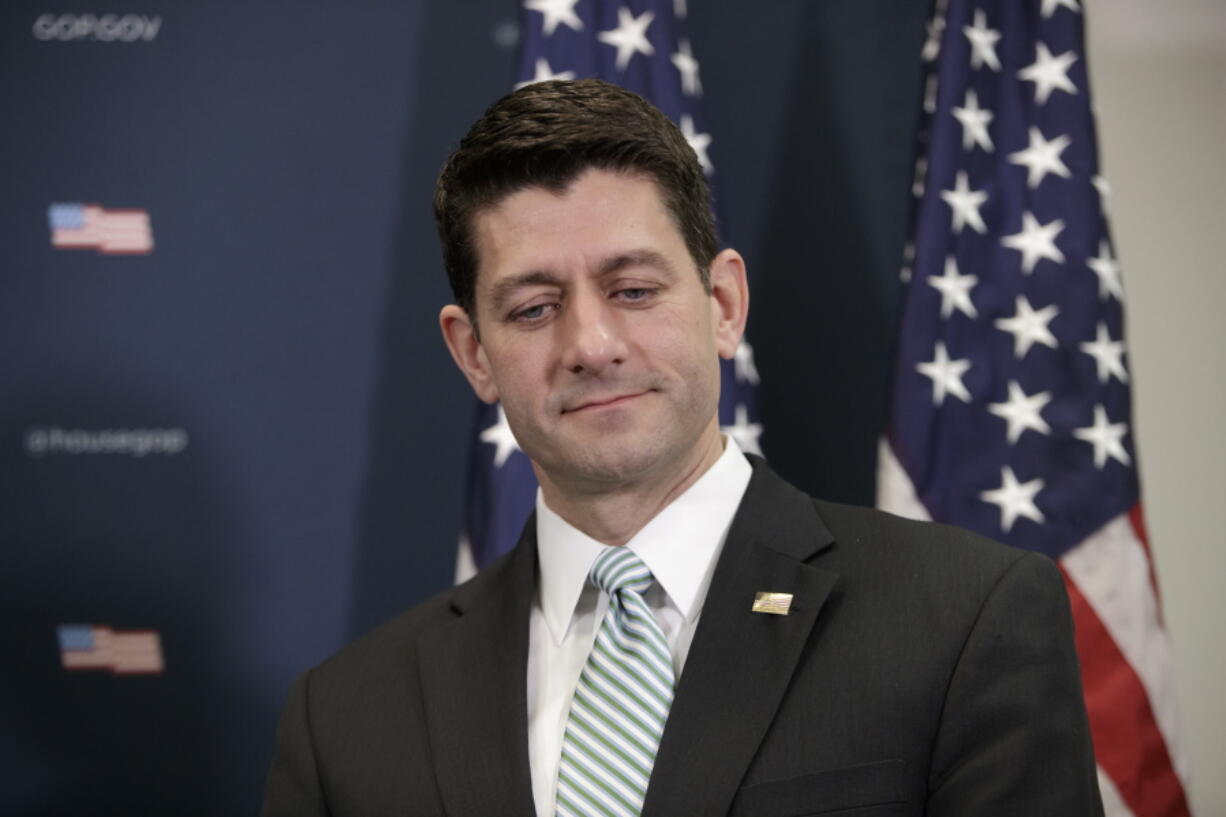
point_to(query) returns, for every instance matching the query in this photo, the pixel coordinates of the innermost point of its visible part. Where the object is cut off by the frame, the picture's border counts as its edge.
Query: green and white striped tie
(621, 701)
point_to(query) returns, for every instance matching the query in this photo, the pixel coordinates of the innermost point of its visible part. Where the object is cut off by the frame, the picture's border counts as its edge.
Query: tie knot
(619, 569)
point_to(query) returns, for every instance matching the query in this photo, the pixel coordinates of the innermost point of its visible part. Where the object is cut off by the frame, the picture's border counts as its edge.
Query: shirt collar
(680, 545)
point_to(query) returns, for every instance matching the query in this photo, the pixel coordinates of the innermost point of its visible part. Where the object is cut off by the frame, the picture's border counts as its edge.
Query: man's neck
(613, 516)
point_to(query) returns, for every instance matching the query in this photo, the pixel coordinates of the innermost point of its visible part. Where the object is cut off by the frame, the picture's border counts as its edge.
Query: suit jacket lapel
(741, 662)
(474, 682)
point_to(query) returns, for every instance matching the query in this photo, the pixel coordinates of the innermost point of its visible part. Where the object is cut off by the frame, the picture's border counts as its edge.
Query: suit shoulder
(921, 546)
(393, 644)
(388, 646)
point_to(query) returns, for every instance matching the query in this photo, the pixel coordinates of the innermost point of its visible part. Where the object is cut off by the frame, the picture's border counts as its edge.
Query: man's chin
(605, 465)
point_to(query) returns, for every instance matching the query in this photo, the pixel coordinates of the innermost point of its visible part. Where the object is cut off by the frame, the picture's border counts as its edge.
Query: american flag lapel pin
(775, 604)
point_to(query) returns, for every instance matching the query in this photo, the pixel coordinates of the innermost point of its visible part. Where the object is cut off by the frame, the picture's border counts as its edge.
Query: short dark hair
(545, 135)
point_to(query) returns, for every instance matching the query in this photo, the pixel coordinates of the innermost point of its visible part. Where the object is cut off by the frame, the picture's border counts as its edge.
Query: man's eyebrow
(504, 289)
(635, 258)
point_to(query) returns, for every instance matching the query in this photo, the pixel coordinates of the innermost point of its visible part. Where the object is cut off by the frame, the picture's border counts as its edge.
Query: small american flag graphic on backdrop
(120, 652)
(91, 227)
(1012, 405)
(642, 46)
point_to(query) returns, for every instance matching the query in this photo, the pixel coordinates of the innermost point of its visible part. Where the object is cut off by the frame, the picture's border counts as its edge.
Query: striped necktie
(621, 701)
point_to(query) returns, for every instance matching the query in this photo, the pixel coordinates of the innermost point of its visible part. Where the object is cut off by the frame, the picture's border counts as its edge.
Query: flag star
(974, 123)
(964, 204)
(932, 45)
(1036, 241)
(983, 42)
(1042, 157)
(1108, 272)
(1108, 355)
(501, 437)
(688, 66)
(1029, 327)
(1022, 411)
(555, 12)
(1106, 437)
(679, 9)
(921, 174)
(908, 258)
(955, 290)
(630, 36)
(698, 141)
(544, 73)
(1014, 498)
(1050, 6)
(931, 86)
(1049, 73)
(745, 433)
(946, 375)
(743, 365)
(1104, 190)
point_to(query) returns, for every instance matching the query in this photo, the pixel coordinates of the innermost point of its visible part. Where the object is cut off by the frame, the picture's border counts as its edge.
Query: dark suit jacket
(921, 670)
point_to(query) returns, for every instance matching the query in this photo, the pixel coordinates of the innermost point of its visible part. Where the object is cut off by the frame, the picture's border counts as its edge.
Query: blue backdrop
(251, 439)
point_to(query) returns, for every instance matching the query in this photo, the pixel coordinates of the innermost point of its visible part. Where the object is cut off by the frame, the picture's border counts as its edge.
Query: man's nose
(594, 335)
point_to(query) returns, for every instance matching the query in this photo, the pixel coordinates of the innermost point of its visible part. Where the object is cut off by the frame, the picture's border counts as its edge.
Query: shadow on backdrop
(423, 407)
(828, 290)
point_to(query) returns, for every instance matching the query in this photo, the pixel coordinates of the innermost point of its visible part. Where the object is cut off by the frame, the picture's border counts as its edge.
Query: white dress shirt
(680, 546)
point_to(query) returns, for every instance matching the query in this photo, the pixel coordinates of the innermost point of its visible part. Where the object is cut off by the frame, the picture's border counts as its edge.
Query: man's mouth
(603, 401)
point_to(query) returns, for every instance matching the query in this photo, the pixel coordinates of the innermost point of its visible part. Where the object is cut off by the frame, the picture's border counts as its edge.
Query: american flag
(641, 46)
(1012, 412)
(121, 652)
(90, 227)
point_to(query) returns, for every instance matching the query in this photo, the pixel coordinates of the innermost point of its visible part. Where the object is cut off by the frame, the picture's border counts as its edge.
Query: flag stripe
(895, 493)
(1137, 518)
(1113, 804)
(1112, 573)
(1127, 741)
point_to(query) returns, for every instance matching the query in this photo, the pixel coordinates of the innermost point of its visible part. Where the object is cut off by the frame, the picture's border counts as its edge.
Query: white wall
(1158, 71)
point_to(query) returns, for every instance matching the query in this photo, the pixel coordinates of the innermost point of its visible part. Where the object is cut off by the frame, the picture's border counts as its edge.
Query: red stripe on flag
(1128, 744)
(1136, 517)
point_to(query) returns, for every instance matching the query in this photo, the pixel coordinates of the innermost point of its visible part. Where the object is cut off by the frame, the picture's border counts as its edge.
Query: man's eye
(634, 293)
(532, 313)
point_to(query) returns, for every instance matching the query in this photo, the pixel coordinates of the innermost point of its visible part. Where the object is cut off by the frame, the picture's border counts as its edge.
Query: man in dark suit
(750, 650)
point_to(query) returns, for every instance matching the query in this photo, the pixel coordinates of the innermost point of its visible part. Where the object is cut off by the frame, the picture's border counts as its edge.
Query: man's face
(595, 331)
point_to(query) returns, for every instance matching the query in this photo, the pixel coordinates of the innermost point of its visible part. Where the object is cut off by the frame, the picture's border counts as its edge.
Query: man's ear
(729, 301)
(460, 335)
